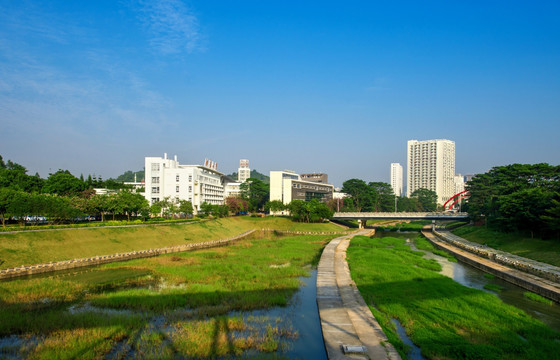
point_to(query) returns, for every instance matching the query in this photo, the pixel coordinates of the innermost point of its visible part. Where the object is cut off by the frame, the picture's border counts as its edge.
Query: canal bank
(350, 331)
(539, 285)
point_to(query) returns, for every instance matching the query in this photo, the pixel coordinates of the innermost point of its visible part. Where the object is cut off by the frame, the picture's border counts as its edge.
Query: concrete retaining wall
(104, 259)
(537, 268)
(482, 260)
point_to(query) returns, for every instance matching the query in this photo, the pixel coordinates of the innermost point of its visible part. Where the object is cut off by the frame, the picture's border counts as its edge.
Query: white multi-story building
(232, 189)
(244, 172)
(431, 165)
(397, 178)
(196, 183)
(287, 186)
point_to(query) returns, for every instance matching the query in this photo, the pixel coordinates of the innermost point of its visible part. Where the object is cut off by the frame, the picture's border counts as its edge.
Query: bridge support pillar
(362, 223)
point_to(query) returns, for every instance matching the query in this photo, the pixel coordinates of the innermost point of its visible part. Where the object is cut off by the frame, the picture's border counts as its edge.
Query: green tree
(205, 209)
(113, 205)
(427, 199)
(256, 193)
(14, 176)
(309, 211)
(408, 204)
(63, 183)
(275, 206)
(98, 204)
(20, 206)
(6, 199)
(361, 194)
(517, 197)
(186, 207)
(155, 209)
(131, 203)
(551, 216)
(384, 198)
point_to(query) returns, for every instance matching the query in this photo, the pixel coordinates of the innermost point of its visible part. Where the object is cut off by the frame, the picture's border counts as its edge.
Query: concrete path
(345, 317)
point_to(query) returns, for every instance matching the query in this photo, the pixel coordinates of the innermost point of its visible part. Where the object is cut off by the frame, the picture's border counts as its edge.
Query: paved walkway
(345, 317)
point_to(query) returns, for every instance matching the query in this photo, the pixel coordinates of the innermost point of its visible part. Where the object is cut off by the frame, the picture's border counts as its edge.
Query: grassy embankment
(166, 306)
(26, 248)
(445, 319)
(547, 251)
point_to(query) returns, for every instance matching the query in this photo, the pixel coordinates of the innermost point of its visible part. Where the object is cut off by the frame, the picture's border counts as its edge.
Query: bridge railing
(403, 215)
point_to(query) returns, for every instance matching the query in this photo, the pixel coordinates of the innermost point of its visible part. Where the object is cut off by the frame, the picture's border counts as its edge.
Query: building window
(155, 179)
(155, 166)
(155, 189)
(177, 178)
(155, 199)
(177, 188)
(190, 178)
(190, 188)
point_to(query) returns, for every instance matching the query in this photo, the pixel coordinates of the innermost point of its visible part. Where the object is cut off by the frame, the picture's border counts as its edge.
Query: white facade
(232, 189)
(280, 180)
(431, 165)
(397, 178)
(195, 183)
(244, 172)
(459, 183)
(287, 186)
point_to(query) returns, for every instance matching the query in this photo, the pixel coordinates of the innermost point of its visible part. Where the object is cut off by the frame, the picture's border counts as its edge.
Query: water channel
(299, 317)
(474, 278)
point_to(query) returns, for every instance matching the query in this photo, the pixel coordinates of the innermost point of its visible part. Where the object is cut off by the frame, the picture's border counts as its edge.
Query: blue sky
(312, 86)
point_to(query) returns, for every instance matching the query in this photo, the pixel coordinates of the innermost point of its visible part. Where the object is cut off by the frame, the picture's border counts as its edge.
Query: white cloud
(172, 27)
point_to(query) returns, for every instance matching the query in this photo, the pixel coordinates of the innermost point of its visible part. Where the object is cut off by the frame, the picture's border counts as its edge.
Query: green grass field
(176, 305)
(445, 319)
(547, 251)
(27, 248)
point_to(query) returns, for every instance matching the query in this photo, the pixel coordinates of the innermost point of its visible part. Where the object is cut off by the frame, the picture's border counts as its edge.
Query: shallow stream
(471, 277)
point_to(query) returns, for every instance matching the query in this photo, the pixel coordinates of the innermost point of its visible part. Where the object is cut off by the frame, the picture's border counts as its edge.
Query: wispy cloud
(171, 26)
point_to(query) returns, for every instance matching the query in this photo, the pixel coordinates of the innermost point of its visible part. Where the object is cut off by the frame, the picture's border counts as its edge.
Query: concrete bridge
(362, 217)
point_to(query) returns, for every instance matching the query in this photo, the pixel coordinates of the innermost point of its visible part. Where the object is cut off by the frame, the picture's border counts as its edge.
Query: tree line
(60, 197)
(517, 197)
(379, 197)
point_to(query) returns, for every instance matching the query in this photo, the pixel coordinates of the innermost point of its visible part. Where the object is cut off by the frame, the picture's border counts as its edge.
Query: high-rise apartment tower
(397, 178)
(431, 165)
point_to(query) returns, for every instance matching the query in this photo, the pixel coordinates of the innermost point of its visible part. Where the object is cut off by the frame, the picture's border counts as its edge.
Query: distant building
(431, 165)
(231, 188)
(459, 183)
(136, 185)
(104, 191)
(315, 177)
(196, 183)
(244, 172)
(286, 186)
(397, 178)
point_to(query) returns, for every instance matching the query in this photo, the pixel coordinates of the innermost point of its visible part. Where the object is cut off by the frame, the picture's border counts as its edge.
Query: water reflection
(301, 315)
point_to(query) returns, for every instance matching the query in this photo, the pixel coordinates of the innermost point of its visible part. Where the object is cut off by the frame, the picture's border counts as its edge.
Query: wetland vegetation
(445, 319)
(187, 304)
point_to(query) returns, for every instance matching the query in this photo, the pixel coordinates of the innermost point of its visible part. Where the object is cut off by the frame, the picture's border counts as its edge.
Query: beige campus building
(286, 186)
(431, 165)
